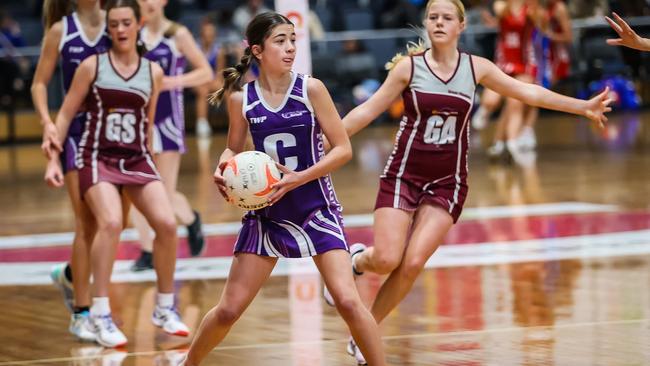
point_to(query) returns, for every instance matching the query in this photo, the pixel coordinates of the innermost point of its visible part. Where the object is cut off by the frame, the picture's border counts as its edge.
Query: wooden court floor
(549, 265)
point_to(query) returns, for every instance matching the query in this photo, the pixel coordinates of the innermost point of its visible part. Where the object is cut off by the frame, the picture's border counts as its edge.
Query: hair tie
(244, 43)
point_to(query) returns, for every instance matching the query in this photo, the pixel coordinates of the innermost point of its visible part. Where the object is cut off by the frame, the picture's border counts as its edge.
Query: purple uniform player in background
(70, 38)
(74, 48)
(288, 115)
(171, 46)
(169, 127)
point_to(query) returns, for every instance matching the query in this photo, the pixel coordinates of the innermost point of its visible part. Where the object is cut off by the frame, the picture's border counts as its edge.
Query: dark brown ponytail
(232, 77)
(257, 31)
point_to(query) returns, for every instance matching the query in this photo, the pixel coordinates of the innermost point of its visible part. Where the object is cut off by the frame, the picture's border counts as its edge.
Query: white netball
(249, 176)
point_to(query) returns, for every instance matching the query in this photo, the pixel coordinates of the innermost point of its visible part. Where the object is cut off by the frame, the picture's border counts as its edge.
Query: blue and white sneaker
(355, 249)
(106, 332)
(81, 328)
(169, 320)
(64, 285)
(354, 351)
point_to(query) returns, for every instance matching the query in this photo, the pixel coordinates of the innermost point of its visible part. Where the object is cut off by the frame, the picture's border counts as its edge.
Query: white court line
(288, 345)
(231, 228)
(450, 255)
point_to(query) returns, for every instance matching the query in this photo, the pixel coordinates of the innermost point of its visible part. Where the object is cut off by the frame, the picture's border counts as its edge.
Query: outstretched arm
(493, 78)
(395, 82)
(627, 36)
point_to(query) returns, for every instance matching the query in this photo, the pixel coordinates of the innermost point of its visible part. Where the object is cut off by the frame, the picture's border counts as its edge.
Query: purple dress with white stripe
(75, 47)
(169, 127)
(307, 220)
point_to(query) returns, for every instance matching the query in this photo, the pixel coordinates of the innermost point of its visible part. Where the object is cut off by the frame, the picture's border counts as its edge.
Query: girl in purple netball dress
(119, 89)
(70, 37)
(287, 114)
(424, 185)
(171, 45)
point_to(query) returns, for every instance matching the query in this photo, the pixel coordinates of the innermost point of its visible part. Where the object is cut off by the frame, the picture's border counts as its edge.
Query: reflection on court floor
(549, 265)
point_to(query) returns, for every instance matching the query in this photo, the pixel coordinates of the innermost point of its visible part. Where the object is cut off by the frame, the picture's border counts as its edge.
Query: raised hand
(628, 36)
(598, 106)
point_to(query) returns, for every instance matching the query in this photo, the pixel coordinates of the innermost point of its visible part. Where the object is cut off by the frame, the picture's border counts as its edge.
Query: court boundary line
(350, 221)
(345, 340)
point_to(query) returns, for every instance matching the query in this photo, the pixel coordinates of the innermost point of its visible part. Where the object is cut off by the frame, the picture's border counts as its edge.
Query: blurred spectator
(588, 8)
(355, 64)
(15, 68)
(630, 8)
(244, 13)
(316, 30)
(354, 67)
(217, 59)
(10, 36)
(400, 14)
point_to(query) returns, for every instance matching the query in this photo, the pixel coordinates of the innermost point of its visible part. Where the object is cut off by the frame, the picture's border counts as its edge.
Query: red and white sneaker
(355, 352)
(169, 320)
(106, 332)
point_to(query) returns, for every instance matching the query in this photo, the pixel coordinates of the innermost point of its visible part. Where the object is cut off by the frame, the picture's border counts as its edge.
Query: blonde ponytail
(232, 77)
(411, 49)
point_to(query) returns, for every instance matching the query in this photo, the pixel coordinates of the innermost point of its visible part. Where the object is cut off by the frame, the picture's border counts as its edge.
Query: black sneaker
(195, 238)
(143, 263)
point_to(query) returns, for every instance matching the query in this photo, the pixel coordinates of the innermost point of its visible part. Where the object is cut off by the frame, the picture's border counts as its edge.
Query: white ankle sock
(100, 306)
(166, 300)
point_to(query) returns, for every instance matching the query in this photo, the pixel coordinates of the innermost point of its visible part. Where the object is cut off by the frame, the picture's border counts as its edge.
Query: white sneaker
(169, 320)
(80, 326)
(496, 150)
(480, 118)
(61, 282)
(170, 358)
(98, 356)
(106, 332)
(355, 249)
(354, 351)
(527, 139)
(203, 128)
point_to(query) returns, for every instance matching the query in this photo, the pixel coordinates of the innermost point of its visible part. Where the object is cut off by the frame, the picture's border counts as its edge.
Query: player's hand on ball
(220, 181)
(54, 174)
(290, 180)
(598, 106)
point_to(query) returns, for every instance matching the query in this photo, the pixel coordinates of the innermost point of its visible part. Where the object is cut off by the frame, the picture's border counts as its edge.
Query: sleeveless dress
(113, 146)
(429, 159)
(307, 220)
